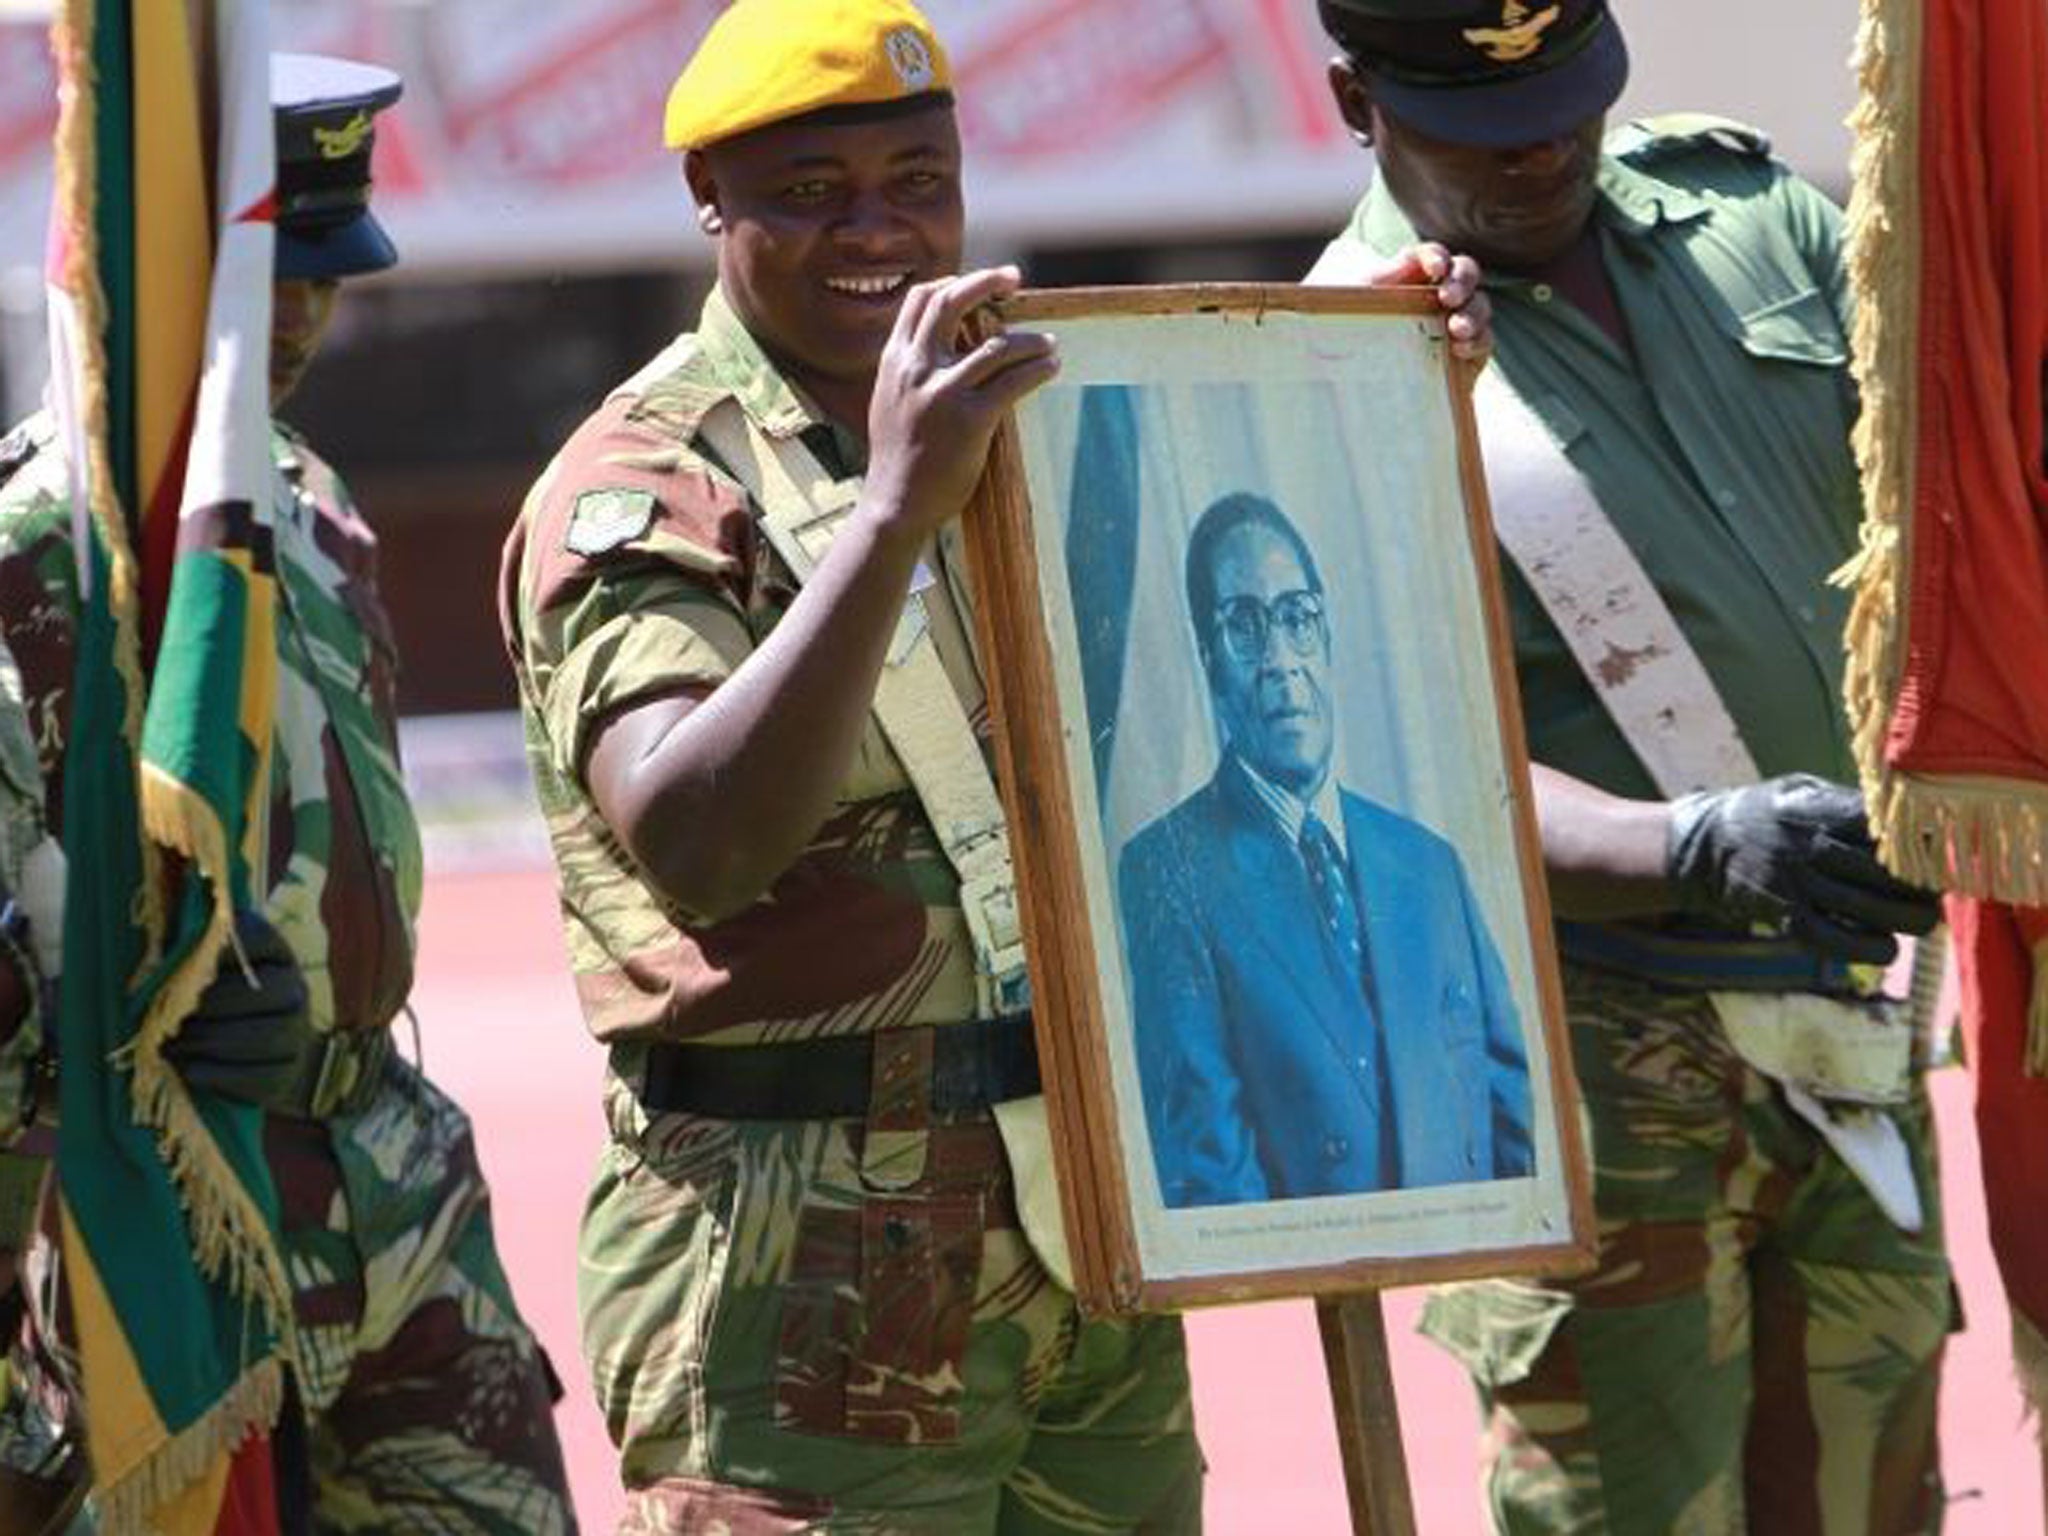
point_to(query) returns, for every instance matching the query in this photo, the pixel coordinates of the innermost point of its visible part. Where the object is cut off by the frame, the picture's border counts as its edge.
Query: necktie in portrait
(1330, 878)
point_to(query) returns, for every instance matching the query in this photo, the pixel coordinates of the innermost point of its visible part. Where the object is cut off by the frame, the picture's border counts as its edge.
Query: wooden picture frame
(1124, 735)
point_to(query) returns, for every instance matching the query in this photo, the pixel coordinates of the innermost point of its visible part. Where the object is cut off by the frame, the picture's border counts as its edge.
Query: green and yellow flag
(160, 267)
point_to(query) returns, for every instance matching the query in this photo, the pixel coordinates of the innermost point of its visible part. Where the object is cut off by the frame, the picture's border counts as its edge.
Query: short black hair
(1221, 518)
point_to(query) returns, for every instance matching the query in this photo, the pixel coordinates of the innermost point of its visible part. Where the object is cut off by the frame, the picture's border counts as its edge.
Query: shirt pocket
(876, 1315)
(1795, 327)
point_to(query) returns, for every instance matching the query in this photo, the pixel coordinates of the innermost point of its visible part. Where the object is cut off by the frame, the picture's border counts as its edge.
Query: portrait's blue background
(1404, 625)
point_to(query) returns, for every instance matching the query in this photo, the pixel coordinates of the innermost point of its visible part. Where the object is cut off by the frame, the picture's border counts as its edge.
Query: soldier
(428, 1402)
(1667, 445)
(734, 604)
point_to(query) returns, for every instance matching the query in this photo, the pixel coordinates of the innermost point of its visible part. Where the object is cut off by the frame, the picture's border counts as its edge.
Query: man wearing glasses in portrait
(1318, 1008)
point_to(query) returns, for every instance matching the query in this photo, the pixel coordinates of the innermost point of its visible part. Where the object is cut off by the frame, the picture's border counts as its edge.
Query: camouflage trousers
(429, 1405)
(778, 1348)
(1757, 1348)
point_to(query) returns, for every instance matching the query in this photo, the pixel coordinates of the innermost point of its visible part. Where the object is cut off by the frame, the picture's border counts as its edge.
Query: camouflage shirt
(344, 863)
(638, 568)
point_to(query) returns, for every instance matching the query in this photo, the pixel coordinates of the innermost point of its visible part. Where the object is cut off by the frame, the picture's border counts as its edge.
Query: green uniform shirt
(1720, 450)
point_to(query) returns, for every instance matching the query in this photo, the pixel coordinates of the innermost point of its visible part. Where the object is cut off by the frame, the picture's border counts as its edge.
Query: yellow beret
(766, 60)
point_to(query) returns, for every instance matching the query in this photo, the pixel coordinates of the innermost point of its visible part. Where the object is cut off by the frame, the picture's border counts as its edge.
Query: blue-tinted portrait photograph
(1295, 791)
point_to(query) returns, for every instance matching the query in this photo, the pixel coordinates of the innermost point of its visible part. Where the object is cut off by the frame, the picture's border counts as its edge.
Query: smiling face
(1271, 683)
(301, 308)
(823, 225)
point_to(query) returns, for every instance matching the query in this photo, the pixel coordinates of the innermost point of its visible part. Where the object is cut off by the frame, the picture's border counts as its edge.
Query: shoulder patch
(1646, 138)
(604, 519)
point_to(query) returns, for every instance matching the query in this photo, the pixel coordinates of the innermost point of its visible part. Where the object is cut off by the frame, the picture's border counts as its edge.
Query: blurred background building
(548, 249)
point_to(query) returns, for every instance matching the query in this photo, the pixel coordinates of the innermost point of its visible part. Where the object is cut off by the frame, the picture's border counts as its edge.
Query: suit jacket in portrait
(1256, 1051)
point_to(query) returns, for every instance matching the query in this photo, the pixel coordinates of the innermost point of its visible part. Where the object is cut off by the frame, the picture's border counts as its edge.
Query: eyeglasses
(1246, 623)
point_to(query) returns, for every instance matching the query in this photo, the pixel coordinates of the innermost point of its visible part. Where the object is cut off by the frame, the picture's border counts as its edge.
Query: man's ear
(1353, 96)
(703, 191)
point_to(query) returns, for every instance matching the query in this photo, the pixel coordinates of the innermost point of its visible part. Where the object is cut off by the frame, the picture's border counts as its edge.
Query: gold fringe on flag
(2036, 1058)
(1883, 255)
(1975, 836)
(77, 155)
(139, 1503)
(230, 1236)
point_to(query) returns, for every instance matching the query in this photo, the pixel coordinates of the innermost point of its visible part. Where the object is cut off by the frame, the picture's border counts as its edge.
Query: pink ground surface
(502, 1033)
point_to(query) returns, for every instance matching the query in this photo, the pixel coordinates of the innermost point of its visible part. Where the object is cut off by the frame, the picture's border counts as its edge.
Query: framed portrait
(1296, 1001)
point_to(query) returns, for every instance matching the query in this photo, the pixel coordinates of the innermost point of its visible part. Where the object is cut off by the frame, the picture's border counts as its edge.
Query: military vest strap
(1615, 623)
(802, 506)
(1838, 1063)
(1619, 630)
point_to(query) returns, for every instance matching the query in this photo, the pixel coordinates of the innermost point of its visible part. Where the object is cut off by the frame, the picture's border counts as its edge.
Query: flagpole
(1354, 1333)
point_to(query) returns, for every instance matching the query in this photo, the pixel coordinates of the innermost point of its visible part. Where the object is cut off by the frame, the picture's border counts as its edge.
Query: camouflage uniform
(429, 1403)
(1758, 1347)
(784, 1337)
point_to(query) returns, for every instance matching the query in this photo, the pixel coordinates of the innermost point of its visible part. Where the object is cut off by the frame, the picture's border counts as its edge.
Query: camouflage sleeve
(345, 536)
(34, 885)
(39, 604)
(38, 585)
(631, 577)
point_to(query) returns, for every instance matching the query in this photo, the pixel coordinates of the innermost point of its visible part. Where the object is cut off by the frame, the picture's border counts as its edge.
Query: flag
(1949, 256)
(1948, 252)
(160, 274)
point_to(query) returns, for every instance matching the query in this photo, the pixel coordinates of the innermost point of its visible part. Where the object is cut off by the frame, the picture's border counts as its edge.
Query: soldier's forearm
(1604, 856)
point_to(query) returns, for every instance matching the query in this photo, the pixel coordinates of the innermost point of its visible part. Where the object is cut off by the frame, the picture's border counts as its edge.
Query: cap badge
(912, 60)
(1519, 34)
(340, 143)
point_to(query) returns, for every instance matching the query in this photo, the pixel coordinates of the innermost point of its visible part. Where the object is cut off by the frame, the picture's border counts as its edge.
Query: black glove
(252, 1027)
(1795, 850)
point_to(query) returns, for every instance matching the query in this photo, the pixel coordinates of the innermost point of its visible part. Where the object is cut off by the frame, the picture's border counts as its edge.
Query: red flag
(1948, 675)
(1949, 253)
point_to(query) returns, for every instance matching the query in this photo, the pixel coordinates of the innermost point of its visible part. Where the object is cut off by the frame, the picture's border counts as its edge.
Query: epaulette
(675, 387)
(1647, 139)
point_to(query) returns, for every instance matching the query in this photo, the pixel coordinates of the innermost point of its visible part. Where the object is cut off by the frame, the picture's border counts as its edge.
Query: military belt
(1699, 961)
(974, 1065)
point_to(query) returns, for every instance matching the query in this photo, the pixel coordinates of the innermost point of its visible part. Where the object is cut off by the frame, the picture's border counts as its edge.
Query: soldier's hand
(246, 1038)
(1468, 311)
(936, 404)
(1795, 850)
